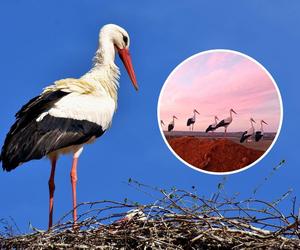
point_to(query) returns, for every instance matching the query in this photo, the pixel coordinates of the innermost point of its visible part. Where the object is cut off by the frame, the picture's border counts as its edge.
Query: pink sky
(213, 83)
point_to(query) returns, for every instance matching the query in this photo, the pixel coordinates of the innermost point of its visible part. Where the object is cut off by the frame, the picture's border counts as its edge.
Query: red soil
(216, 155)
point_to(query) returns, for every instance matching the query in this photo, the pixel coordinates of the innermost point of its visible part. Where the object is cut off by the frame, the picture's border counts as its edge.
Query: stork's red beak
(126, 59)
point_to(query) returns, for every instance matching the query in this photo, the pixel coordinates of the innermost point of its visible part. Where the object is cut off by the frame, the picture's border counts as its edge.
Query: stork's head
(216, 118)
(262, 121)
(174, 117)
(252, 120)
(195, 111)
(231, 110)
(162, 123)
(120, 39)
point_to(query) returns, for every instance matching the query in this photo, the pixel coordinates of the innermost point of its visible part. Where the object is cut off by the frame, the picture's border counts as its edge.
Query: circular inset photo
(220, 111)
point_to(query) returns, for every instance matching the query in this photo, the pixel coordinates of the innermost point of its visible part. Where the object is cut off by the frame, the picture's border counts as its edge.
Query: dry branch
(178, 220)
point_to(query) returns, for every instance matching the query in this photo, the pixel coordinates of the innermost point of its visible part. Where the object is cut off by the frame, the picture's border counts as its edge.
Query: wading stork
(260, 133)
(191, 121)
(172, 124)
(212, 127)
(70, 113)
(249, 133)
(226, 122)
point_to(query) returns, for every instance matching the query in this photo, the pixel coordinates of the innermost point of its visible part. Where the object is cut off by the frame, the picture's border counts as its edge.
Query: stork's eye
(125, 39)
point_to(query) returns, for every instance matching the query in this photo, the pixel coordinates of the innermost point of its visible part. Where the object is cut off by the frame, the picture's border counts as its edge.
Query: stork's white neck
(105, 54)
(216, 120)
(252, 125)
(261, 127)
(105, 73)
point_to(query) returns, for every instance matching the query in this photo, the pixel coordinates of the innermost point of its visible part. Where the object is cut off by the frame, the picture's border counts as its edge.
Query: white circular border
(277, 133)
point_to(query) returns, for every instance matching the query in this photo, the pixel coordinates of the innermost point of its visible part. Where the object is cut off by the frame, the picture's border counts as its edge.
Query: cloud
(215, 82)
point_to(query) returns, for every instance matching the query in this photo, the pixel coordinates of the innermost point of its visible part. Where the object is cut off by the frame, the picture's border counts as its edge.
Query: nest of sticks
(177, 220)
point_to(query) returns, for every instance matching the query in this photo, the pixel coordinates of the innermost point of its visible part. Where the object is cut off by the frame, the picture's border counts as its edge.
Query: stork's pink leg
(51, 191)
(74, 181)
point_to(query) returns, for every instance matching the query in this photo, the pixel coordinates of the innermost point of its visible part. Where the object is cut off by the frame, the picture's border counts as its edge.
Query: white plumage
(247, 135)
(226, 122)
(260, 133)
(191, 121)
(172, 124)
(71, 112)
(212, 127)
(96, 109)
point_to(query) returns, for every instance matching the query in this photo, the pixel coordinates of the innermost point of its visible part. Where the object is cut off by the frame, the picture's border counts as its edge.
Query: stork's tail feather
(258, 136)
(208, 129)
(6, 166)
(1, 161)
(10, 158)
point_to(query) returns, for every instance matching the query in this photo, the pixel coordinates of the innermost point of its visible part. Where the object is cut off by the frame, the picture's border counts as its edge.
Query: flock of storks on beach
(247, 135)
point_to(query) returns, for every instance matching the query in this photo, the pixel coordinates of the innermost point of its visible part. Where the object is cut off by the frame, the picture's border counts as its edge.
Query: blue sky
(42, 41)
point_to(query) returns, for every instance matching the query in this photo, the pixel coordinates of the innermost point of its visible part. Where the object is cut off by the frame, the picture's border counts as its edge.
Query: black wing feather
(244, 137)
(210, 128)
(29, 139)
(170, 127)
(41, 138)
(258, 135)
(190, 121)
(34, 108)
(222, 124)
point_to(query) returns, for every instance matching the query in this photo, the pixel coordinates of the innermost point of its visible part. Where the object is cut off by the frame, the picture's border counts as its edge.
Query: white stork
(260, 133)
(172, 124)
(70, 113)
(212, 127)
(249, 133)
(191, 121)
(226, 122)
